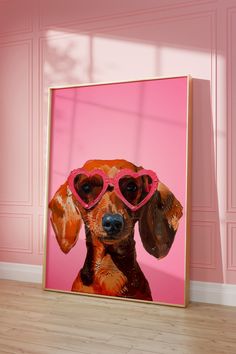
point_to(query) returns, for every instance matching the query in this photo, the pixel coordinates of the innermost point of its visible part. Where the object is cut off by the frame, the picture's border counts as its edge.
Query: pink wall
(42, 45)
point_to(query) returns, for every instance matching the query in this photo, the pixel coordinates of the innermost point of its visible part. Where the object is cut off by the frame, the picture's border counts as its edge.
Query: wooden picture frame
(137, 137)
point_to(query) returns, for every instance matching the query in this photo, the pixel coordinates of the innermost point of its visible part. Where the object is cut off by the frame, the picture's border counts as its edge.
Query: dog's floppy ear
(65, 218)
(159, 220)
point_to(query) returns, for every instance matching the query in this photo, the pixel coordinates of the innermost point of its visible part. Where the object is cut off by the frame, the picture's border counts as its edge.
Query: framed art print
(118, 198)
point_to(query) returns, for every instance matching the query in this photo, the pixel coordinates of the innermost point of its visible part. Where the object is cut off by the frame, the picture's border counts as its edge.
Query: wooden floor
(33, 321)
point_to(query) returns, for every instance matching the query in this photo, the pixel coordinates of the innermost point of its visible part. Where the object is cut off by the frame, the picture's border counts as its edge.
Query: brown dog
(110, 267)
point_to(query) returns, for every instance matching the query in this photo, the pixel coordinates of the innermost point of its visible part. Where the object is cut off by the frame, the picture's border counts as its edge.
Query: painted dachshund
(109, 197)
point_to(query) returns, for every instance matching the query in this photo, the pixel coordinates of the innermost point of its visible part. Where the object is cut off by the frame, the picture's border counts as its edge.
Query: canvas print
(115, 226)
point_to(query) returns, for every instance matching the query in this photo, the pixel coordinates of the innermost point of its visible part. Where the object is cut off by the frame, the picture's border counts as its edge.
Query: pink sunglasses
(89, 187)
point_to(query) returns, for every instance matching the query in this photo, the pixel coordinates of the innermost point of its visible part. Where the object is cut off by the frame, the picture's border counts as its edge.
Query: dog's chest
(108, 277)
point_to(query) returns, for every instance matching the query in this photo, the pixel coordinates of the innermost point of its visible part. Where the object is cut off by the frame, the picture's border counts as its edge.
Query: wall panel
(42, 44)
(16, 122)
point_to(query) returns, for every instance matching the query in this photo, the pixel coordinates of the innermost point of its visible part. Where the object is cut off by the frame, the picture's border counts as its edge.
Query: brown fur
(110, 267)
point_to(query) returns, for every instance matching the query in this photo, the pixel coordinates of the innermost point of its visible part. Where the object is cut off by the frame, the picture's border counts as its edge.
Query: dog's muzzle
(112, 223)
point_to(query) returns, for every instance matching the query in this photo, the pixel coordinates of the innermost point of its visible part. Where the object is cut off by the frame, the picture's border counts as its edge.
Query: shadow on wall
(206, 251)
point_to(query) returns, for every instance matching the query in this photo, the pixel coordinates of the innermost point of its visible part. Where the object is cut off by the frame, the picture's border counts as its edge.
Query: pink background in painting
(143, 122)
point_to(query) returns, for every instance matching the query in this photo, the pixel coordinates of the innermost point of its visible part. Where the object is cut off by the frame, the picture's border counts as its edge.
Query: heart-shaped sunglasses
(133, 188)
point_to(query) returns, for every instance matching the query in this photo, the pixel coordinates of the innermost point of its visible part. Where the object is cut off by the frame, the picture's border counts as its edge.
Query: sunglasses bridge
(110, 187)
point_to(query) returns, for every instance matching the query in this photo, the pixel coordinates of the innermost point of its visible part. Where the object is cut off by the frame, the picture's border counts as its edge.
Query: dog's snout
(112, 223)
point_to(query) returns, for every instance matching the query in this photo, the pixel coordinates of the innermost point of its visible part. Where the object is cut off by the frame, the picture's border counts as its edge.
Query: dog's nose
(112, 223)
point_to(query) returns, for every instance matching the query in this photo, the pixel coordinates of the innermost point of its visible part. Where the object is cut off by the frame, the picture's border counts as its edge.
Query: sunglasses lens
(130, 188)
(135, 190)
(88, 188)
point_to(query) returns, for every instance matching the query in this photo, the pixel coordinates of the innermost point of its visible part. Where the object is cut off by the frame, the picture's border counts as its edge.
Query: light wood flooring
(34, 321)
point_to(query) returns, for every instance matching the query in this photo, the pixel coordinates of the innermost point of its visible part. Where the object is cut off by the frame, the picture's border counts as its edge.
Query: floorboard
(34, 321)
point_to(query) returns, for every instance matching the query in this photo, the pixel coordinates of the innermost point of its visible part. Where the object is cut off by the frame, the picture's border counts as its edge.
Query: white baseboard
(21, 272)
(212, 293)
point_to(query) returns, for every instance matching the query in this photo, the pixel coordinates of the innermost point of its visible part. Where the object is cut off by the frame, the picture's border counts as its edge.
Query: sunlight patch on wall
(66, 58)
(181, 61)
(120, 60)
(77, 58)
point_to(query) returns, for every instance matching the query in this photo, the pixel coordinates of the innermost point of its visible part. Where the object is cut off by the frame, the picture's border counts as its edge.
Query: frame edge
(188, 189)
(188, 186)
(45, 228)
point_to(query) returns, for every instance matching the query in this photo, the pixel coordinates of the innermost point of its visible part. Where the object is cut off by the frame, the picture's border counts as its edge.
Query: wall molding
(28, 43)
(229, 60)
(27, 28)
(29, 220)
(211, 225)
(212, 293)
(230, 246)
(126, 14)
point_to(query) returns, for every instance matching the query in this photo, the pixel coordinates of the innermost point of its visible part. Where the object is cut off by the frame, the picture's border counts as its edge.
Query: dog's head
(109, 196)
